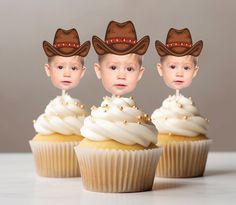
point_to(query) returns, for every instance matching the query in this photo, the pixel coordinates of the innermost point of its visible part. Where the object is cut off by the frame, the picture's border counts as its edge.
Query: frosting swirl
(179, 116)
(64, 115)
(119, 119)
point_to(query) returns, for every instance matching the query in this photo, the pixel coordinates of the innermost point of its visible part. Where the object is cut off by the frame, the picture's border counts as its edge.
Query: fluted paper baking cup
(104, 170)
(55, 159)
(183, 159)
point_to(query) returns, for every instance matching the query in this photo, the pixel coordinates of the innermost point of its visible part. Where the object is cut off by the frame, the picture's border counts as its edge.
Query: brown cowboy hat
(120, 39)
(179, 43)
(66, 43)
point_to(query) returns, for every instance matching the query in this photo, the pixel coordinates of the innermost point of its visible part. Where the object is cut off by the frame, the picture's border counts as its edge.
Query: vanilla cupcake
(118, 153)
(58, 132)
(182, 133)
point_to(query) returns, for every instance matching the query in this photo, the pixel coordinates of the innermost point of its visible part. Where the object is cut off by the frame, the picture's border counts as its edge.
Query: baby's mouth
(178, 82)
(66, 82)
(120, 85)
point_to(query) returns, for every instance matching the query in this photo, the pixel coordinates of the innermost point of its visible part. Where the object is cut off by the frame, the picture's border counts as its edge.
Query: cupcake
(118, 153)
(182, 133)
(58, 132)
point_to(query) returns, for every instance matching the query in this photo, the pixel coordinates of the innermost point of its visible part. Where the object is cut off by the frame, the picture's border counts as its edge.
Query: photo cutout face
(65, 72)
(178, 72)
(119, 73)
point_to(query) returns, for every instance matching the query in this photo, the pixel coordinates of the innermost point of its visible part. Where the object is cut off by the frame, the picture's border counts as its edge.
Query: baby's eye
(74, 68)
(130, 69)
(60, 67)
(172, 66)
(113, 67)
(187, 68)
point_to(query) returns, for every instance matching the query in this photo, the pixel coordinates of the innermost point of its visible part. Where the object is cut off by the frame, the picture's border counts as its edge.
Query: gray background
(25, 90)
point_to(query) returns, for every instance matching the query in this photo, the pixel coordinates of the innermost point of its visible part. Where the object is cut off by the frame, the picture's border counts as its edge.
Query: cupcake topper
(178, 58)
(65, 59)
(119, 66)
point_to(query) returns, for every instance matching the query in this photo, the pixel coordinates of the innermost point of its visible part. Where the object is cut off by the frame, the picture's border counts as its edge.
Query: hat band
(120, 40)
(178, 44)
(70, 45)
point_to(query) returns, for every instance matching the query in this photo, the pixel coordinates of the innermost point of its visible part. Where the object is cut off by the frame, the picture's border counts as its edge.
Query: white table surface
(20, 185)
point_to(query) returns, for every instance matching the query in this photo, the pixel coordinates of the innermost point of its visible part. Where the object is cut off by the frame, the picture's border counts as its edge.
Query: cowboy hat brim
(195, 50)
(52, 51)
(102, 48)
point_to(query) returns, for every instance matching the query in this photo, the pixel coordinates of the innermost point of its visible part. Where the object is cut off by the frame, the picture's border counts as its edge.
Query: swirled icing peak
(119, 119)
(64, 115)
(179, 116)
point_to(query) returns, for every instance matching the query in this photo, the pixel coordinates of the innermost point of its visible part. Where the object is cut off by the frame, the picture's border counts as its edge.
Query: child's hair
(140, 59)
(195, 59)
(81, 59)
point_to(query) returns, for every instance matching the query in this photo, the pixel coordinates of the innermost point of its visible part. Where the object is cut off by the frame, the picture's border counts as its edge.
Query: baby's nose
(67, 72)
(179, 72)
(121, 74)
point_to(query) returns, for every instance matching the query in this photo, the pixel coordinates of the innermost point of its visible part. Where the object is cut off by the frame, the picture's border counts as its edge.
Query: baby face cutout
(65, 72)
(177, 72)
(119, 73)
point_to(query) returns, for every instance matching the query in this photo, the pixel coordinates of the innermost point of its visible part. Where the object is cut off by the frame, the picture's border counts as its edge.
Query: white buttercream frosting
(119, 119)
(64, 115)
(178, 115)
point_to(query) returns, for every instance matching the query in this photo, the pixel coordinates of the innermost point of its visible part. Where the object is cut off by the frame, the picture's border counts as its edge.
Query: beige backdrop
(25, 90)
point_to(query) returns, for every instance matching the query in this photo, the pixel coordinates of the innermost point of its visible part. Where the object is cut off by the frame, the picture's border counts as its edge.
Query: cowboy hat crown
(66, 43)
(179, 43)
(120, 39)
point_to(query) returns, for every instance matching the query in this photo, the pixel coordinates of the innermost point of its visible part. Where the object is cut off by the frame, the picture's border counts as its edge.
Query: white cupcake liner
(55, 159)
(183, 159)
(104, 170)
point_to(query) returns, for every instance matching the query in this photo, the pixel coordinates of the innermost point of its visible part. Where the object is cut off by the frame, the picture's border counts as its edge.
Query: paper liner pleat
(117, 170)
(183, 159)
(55, 159)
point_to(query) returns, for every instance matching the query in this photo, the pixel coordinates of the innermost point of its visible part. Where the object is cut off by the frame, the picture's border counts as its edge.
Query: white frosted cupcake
(182, 133)
(118, 153)
(58, 132)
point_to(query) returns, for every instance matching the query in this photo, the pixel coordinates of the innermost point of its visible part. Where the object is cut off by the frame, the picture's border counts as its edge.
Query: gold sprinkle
(139, 117)
(34, 121)
(207, 120)
(134, 106)
(149, 119)
(169, 133)
(145, 115)
(93, 107)
(180, 105)
(125, 121)
(131, 97)
(121, 108)
(139, 122)
(81, 106)
(76, 103)
(185, 117)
